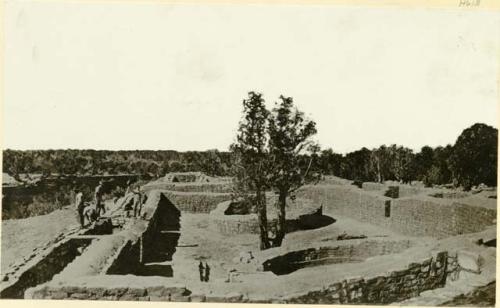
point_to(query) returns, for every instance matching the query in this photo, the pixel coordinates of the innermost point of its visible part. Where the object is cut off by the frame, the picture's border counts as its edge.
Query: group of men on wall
(132, 201)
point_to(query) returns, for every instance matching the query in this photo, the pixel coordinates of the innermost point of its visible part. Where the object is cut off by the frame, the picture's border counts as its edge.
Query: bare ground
(21, 236)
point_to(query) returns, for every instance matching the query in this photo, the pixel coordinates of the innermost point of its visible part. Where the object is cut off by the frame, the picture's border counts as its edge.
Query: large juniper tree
(251, 165)
(474, 157)
(289, 137)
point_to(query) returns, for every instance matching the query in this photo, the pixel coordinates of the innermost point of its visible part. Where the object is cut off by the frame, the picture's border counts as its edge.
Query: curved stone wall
(297, 219)
(355, 252)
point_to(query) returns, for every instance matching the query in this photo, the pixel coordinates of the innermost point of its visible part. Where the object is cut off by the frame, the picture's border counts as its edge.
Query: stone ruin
(237, 217)
(439, 244)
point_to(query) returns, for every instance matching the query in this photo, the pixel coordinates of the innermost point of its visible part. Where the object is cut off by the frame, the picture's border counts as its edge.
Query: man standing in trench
(207, 272)
(201, 269)
(99, 204)
(137, 202)
(80, 206)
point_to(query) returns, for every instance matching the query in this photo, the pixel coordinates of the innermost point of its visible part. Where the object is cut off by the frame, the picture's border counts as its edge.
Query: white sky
(157, 76)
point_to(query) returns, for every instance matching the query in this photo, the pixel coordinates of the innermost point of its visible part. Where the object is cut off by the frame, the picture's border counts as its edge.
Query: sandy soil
(21, 236)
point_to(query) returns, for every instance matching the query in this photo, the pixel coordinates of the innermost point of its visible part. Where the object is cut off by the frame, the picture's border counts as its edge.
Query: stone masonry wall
(473, 219)
(237, 224)
(347, 253)
(196, 202)
(404, 190)
(157, 293)
(409, 216)
(222, 187)
(348, 201)
(394, 287)
(427, 218)
(249, 223)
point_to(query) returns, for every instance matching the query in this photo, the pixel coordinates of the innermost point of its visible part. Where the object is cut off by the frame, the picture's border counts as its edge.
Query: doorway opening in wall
(388, 208)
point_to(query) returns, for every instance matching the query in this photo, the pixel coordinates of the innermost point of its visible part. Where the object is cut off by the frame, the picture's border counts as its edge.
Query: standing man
(201, 269)
(99, 204)
(80, 206)
(129, 187)
(207, 272)
(137, 201)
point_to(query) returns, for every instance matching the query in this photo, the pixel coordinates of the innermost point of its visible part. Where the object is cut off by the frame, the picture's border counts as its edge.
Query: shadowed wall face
(152, 253)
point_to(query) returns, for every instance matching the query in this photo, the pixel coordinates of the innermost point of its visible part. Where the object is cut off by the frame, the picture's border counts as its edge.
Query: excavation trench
(295, 260)
(47, 267)
(151, 254)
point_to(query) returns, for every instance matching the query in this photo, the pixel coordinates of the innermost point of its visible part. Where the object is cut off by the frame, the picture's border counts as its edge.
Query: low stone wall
(409, 191)
(249, 223)
(420, 216)
(372, 186)
(156, 293)
(237, 224)
(405, 190)
(331, 179)
(196, 202)
(222, 187)
(394, 287)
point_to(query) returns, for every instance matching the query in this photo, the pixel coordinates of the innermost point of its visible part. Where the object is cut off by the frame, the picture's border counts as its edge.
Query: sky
(160, 76)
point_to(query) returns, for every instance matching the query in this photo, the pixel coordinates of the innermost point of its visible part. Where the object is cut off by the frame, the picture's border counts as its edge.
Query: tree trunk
(281, 227)
(262, 218)
(379, 176)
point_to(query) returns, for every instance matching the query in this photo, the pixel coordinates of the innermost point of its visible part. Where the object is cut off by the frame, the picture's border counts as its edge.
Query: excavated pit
(152, 254)
(47, 268)
(354, 253)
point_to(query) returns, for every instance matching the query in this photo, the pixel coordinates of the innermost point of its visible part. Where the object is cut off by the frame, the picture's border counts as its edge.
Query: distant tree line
(92, 162)
(472, 160)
